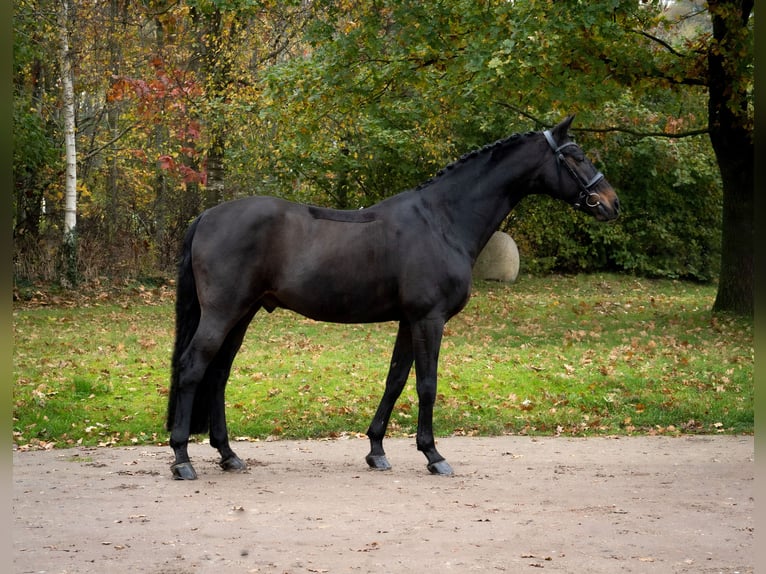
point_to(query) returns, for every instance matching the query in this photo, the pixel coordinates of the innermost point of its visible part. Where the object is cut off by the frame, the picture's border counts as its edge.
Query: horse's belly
(340, 299)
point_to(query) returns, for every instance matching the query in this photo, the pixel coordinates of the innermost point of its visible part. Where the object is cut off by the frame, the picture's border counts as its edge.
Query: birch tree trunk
(70, 195)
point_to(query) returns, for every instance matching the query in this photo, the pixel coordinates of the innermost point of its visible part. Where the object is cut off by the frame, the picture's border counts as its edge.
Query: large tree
(651, 46)
(663, 52)
(730, 120)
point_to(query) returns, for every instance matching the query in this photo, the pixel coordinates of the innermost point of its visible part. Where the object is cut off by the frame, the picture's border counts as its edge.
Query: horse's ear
(561, 130)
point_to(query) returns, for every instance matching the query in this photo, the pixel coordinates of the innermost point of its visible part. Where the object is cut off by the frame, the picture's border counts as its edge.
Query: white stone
(499, 260)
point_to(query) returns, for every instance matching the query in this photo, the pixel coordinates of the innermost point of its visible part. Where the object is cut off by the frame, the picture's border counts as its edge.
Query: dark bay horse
(406, 259)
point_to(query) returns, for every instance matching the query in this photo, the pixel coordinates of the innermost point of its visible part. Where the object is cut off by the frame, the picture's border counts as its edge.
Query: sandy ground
(516, 504)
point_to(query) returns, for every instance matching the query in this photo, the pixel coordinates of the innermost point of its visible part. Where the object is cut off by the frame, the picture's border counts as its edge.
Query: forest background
(132, 116)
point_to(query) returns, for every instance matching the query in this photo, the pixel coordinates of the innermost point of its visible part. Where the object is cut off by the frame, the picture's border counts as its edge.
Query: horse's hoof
(232, 463)
(442, 468)
(183, 471)
(378, 462)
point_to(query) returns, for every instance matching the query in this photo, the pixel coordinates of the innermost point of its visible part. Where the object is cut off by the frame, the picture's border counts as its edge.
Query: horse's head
(575, 178)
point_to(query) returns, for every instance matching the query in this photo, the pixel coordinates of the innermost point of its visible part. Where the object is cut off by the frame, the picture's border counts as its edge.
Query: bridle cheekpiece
(590, 197)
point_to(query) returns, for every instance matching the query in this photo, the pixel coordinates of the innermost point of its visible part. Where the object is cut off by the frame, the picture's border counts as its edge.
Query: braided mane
(512, 139)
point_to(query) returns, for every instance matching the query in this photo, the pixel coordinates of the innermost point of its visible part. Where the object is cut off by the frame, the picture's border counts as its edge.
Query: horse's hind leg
(401, 363)
(193, 365)
(217, 375)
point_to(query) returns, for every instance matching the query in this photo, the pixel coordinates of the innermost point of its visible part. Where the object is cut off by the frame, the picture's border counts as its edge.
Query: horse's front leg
(426, 338)
(399, 370)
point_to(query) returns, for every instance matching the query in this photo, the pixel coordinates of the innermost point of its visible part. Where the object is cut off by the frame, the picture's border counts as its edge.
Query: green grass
(576, 356)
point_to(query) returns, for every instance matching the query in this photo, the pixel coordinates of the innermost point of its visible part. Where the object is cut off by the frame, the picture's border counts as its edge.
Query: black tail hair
(187, 320)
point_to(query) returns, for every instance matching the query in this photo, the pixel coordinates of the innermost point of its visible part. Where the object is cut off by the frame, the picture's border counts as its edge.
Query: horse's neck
(477, 198)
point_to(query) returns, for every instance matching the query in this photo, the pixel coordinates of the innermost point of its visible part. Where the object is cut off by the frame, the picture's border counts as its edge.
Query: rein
(586, 194)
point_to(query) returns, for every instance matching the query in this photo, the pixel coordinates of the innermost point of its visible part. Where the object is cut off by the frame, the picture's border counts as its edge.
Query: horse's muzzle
(604, 204)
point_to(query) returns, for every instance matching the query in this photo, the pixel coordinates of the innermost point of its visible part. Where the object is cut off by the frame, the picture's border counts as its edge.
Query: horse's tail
(187, 320)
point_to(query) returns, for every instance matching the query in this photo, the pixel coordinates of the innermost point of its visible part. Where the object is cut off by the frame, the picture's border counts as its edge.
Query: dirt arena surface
(516, 504)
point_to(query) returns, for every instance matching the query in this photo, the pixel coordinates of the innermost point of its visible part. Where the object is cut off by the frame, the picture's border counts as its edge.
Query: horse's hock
(499, 260)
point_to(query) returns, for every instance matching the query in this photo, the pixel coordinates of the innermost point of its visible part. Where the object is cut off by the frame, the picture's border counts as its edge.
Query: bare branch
(661, 42)
(640, 134)
(521, 112)
(102, 147)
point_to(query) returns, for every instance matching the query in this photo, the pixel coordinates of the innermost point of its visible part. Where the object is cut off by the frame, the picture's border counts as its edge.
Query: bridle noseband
(586, 194)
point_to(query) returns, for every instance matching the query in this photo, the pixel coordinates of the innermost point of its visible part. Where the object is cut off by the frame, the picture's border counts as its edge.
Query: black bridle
(587, 195)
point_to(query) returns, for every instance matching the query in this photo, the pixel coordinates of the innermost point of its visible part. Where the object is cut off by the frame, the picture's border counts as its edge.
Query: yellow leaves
(348, 26)
(496, 63)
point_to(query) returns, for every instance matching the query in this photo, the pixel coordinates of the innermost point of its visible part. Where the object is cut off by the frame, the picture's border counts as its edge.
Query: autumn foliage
(181, 105)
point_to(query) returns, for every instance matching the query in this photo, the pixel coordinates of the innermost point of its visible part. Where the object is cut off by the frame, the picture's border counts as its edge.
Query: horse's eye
(576, 158)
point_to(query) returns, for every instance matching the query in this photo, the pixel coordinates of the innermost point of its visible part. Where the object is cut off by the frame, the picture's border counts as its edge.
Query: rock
(499, 260)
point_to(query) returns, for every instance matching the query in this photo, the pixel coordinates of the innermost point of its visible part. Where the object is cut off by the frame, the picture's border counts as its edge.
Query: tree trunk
(215, 187)
(217, 30)
(70, 194)
(731, 135)
(113, 125)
